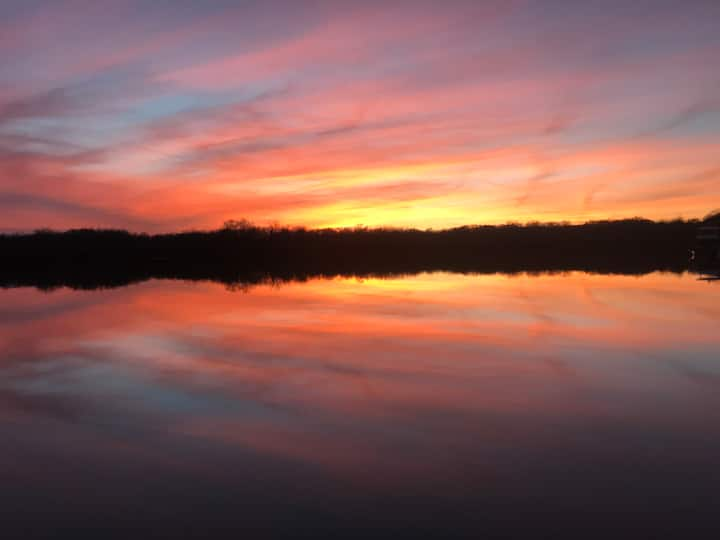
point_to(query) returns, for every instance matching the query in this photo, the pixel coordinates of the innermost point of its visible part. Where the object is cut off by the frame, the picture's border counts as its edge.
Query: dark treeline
(241, 253)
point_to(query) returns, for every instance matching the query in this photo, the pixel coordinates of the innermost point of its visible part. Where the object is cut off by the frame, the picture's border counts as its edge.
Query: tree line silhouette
(242, 253)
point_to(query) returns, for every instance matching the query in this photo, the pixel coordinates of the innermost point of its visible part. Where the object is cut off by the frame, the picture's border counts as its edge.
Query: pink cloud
(338, 115)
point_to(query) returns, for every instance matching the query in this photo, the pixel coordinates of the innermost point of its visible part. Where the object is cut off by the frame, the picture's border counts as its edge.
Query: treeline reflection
(241, 255)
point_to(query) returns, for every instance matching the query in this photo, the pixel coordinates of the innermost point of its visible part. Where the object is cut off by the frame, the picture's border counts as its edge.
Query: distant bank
(242, 253)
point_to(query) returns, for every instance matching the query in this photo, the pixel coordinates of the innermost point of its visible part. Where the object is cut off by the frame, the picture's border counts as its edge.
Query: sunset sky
(176, 114)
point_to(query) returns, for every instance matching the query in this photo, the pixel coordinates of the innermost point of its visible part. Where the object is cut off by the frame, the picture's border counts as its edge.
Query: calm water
(457, 405)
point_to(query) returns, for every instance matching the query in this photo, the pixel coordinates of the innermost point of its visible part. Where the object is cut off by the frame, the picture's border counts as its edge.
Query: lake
(436, 404)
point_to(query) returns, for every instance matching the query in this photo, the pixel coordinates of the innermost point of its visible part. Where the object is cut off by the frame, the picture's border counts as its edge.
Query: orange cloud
(346, 115)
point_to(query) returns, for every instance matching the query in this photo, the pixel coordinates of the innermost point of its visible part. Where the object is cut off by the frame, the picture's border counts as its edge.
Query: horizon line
(246, 224)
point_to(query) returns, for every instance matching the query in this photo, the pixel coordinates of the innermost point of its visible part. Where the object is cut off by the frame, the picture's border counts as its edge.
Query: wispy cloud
(148, 115)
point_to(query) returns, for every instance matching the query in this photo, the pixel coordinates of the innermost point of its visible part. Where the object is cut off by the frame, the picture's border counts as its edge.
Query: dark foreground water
(437, 405)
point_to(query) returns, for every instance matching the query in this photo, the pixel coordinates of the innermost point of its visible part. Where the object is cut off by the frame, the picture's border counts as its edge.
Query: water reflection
(441, 402)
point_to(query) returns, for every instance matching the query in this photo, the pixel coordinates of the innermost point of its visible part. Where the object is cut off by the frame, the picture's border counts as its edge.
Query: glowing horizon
(159, 116)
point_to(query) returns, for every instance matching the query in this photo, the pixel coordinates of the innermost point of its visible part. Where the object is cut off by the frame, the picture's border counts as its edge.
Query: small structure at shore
(707, 238)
